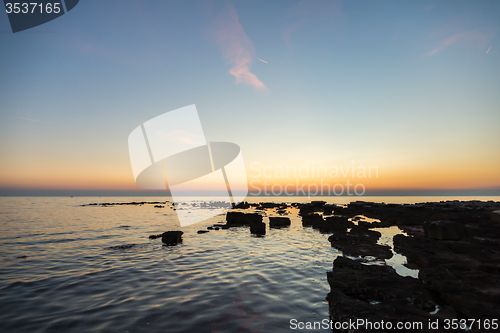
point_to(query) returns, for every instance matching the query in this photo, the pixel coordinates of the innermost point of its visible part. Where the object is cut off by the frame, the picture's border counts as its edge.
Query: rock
(258, 228)
(155, 236)
(202, 231)
(318, 203)
(470, 292)
(172, 237)
(216, 228)
(360, 242)
(242, 219)
(422, 250)
(328, 209)
(495, 216)
(377, 293)
(242, 205)
(305, 209)
(158, 206)
(309, 220)
(278, 222)
(445, 230)
(210, 228)
(337, 223)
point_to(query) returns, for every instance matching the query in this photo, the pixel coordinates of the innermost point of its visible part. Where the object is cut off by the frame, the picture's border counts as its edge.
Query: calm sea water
(63, 267)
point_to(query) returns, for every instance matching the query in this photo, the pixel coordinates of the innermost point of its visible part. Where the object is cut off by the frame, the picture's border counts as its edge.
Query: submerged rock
(122, 247)
(155, 236)
(202, 231)
(278, 222)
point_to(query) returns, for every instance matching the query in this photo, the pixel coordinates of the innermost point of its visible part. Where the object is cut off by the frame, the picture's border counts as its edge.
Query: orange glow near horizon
(410, 178)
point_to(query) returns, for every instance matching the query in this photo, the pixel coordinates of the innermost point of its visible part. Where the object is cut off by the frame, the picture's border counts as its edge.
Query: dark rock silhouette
(169, 237)
(242, 205)
(360, 242)
(375, 293)
(309, 220)
(308, 208)
(242, 219)
(258, 228)
(278, 222)
(202, 231)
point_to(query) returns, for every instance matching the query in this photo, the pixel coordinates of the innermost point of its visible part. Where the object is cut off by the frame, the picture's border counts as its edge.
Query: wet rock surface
(455, 245)
(360, 242)
(375, 293)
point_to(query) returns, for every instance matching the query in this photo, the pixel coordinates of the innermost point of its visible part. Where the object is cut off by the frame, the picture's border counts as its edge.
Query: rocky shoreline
(455, 245)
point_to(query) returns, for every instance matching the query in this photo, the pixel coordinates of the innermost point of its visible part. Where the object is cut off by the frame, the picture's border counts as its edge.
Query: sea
(67, 266)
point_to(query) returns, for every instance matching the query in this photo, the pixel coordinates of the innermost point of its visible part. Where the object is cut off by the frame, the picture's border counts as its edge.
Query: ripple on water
(94, 269)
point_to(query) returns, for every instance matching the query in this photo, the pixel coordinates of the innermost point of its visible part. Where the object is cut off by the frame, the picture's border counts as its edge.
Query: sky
(408, 89)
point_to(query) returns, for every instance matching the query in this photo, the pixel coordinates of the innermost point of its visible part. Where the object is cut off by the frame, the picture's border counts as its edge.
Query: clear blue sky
(409, 86)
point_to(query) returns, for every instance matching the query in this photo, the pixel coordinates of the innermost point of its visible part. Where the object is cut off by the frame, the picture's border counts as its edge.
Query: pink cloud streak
(474, 35)
(236, 47)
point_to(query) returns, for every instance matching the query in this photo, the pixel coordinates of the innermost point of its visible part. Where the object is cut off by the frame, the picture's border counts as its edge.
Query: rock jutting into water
(455, 245)
(172, 237)
(242, 219)
(258, 228)
(360, 242)
(169, 237)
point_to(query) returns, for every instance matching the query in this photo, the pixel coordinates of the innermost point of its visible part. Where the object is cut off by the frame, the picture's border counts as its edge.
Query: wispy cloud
(235, 46)
(466, 37)
(308, 11)
(262, 60)
(37, 121)
(489, 49)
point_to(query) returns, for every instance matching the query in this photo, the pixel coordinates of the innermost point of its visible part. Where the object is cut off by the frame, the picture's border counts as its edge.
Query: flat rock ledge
(360, 242)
